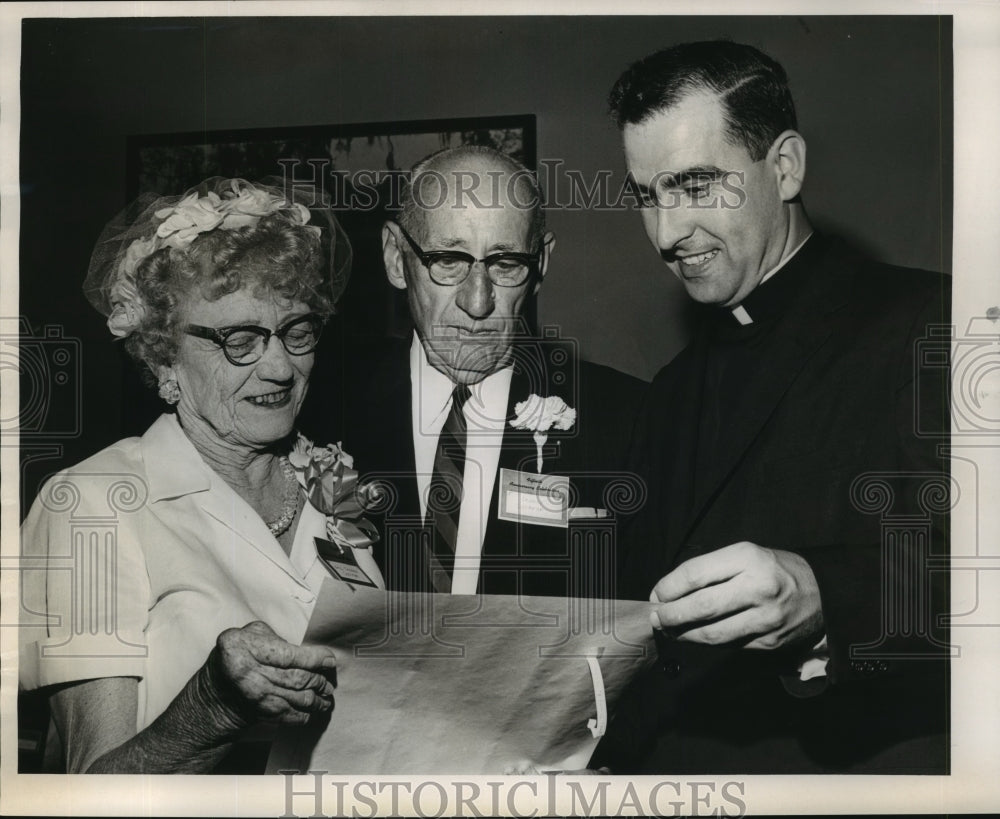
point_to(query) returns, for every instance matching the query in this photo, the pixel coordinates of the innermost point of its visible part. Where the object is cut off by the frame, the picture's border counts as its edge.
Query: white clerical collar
(739, 311)
(486, 408)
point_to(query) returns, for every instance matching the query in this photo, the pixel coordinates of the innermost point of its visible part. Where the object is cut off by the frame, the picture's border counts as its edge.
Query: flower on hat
(242, 205)
(249, 205)
(127, 309)
(192, 215)
(136, 252)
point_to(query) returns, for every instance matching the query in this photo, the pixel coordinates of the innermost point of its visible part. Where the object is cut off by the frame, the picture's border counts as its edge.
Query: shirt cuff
(85, 657)
(815, 661)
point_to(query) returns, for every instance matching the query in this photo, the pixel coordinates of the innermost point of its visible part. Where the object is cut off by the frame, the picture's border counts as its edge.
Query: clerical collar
(742, 312)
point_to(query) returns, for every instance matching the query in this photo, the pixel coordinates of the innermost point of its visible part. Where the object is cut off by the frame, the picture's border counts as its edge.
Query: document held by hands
(466, 684)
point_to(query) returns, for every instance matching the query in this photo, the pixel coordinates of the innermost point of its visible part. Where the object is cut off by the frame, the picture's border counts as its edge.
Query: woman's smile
(279, 398)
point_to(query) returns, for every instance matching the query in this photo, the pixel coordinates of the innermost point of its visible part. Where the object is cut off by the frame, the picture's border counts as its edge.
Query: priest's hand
(742, 593)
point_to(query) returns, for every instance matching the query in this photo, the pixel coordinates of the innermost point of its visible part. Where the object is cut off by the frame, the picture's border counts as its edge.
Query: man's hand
(258, 677)
(762, 598)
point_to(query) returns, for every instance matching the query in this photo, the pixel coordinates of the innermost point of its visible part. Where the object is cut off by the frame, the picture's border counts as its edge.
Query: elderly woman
(176, 572)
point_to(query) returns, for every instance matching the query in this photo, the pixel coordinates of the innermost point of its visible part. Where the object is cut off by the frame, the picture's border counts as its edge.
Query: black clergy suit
(799, 432)
(517, 558)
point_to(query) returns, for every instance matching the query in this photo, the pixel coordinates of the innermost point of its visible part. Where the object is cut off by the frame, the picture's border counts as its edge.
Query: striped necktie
(444, 500)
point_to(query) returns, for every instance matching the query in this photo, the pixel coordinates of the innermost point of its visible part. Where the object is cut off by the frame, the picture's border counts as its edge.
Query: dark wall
(873, 94)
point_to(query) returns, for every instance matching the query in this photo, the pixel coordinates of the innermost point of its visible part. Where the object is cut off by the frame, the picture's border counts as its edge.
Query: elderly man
(472, 502)
(789, 533)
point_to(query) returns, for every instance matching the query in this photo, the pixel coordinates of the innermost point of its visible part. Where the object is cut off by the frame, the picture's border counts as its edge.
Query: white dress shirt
(486, 416)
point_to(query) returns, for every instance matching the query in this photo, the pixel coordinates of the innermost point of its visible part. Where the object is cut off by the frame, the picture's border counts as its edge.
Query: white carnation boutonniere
(329, 479)
(540, 415)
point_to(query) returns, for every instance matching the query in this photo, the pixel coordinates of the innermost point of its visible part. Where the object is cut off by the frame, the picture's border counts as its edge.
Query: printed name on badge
(342, 563)
(526, 497)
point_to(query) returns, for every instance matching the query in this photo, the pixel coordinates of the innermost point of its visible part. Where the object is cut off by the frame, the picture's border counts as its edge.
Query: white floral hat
(154, 222)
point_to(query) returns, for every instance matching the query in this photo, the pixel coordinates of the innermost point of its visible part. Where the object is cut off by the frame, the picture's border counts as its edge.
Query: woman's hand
(255, 676)
(251, 676)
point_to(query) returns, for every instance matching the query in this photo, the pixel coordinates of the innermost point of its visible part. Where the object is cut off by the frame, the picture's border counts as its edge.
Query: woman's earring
(170, 390)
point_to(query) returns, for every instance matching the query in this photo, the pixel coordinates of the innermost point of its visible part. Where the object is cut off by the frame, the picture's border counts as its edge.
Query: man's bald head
(470, 250)
(470, 176)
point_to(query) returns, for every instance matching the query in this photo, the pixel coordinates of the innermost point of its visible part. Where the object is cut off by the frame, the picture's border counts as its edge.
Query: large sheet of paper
(455, 684)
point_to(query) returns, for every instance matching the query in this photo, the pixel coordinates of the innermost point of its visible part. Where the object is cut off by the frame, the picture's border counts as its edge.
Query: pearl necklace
(291, 506)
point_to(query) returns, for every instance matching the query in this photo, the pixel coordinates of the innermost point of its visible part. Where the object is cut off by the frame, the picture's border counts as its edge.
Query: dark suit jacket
(823, 454)
(516, 558)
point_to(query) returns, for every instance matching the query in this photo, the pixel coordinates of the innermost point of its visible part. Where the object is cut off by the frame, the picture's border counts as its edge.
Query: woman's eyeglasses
(245, 344)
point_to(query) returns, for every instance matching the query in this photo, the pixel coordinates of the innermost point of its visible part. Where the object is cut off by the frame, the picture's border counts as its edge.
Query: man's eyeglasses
(451, 267)
(245, 344)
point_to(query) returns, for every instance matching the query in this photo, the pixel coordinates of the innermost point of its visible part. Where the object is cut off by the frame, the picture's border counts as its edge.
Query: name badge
(342, 563)
(526, 497)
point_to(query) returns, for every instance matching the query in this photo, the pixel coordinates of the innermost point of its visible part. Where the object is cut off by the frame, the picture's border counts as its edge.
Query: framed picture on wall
(357, 165)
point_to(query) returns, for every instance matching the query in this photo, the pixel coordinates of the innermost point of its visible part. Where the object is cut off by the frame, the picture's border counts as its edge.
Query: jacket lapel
(383, 421)
(680, 464)
(805, 327)
(518, 444)
(517, 450)
(388, 449)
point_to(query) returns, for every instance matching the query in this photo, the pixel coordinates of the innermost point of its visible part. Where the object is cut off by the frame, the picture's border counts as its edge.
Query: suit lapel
(518, 449)
(679, 465)
(804, 328)
(388, 448)
(512, 453)
(517, 443)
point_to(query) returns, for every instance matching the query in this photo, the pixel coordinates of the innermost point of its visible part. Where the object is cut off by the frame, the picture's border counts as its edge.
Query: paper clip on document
(599, 724)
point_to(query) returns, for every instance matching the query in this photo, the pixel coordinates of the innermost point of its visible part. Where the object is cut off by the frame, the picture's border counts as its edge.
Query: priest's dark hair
(752, 88)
